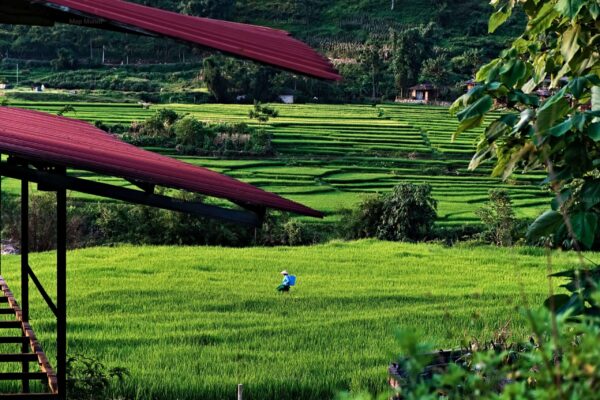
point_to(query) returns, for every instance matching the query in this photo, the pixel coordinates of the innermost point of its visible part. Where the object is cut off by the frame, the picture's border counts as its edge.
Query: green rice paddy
(330, 156)
(194, 322)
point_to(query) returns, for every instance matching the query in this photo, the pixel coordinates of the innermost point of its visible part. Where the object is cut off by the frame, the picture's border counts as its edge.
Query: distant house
(425, 92)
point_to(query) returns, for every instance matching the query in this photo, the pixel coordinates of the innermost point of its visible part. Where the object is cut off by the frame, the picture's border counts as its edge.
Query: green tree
(371, 59)
(64, 60)
(436, 70)
(557, 135)
(410, 47)
(217, 84)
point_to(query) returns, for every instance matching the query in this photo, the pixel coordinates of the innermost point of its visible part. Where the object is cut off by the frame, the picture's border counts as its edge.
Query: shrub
(42, 222)
(191, 132)
(559, 359)
(409, 213)
(160, 124)
(262, 113)
(126, 223)
(498, 218)
(279, 229)
(89, 379)
(450, 235)
(363, 221)
(406, 214)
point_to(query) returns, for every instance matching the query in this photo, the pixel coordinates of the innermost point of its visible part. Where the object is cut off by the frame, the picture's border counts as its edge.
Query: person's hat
(284, 272)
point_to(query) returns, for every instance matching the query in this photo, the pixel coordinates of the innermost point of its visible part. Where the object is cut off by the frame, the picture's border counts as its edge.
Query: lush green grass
(193, 322)
(329, 156)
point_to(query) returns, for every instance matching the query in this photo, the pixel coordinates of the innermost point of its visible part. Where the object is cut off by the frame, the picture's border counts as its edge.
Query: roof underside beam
(61, 181)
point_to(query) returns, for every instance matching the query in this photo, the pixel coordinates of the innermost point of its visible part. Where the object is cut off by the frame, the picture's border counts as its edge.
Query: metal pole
(24, 273)
(240, 392)
(61, 291)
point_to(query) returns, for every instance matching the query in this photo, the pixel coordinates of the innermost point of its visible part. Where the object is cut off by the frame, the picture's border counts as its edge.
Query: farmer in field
(288, 281)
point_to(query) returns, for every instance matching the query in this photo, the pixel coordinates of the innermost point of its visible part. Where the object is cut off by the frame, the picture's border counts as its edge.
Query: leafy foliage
(406, 214)
(498, 218)
(89, 379)
(559, 359)
(262, 113)
(582, 300)
(558, 134)
(409, 213)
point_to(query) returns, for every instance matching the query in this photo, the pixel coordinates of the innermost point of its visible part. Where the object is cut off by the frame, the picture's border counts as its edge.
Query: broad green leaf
(467, 124)
(497, 19)
(502, 126)
(457, 105)
(569, 8)
(556, 301)
(539, 69)
(479, 108)
(577, 86)
(591, 193)
(560, 129)
(550, 113)
(546, 224)
(529, 86)
(485, 73)
(569, 46)
(543, 19)
(513, 73)
(578, 121)
(518, 96)
(594, 131)
(594, 10)
(585, 225)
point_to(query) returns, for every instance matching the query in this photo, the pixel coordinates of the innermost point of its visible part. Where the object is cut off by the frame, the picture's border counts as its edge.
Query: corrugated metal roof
(75, 144)
(270, 46)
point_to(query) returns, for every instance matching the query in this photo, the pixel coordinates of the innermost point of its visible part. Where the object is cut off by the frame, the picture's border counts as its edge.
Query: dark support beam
(24, 273)
(59, 181)
(43, 292)
(61, 291)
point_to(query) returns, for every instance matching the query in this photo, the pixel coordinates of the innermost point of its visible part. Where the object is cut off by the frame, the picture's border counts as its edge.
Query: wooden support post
(61, 291)
(240, 392)
(25, 274)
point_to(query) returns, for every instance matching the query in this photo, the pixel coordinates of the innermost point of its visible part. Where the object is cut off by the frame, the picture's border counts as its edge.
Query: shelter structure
(425, 92)
(42, 149)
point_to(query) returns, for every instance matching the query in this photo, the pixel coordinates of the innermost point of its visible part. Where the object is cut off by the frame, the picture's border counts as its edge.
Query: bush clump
(191, 136)
(407, 213)
(498, 218)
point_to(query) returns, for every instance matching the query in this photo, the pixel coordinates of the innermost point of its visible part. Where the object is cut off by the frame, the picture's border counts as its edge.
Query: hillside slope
(325, 24)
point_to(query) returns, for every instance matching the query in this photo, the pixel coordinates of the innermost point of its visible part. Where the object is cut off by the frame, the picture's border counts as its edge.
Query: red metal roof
(75, 144)
(265, 45)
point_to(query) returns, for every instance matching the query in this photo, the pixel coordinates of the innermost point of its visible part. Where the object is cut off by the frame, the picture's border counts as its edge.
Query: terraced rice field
(193, 322)
(329, 156)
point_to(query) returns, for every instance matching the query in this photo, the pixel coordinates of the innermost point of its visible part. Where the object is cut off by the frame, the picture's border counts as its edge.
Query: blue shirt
(286, 280)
